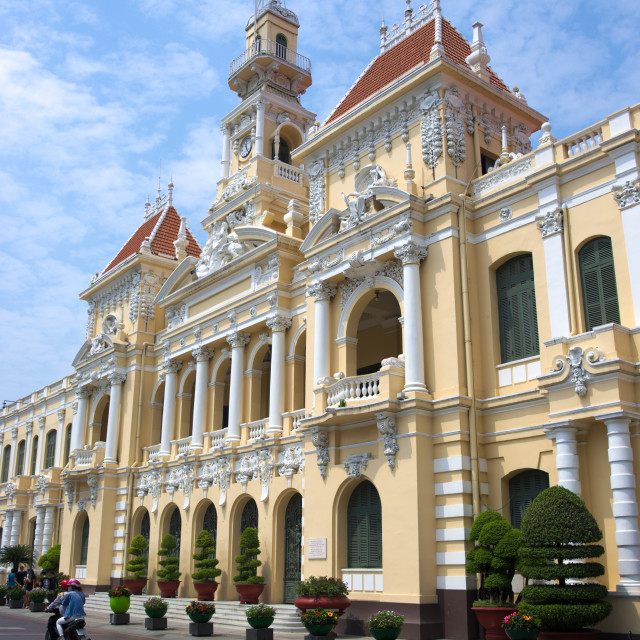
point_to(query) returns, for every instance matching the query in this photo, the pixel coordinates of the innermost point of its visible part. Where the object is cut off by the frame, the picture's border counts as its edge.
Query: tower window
(284, 152)
(281, 46)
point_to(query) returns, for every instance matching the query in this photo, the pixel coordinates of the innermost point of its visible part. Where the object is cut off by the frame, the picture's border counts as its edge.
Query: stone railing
(84, 458)
(218, 438)
(272, 48)
(153, 453)
(183, 445)
(295, 417)
(585, 141)
(357, 388)
(287, 171)
(254, 430)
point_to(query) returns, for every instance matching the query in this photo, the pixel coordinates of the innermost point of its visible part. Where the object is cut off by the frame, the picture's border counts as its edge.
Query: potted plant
(494, 557)
(137, 566)
(260, 616)
(169, 575)
(200, 611)
(385, 625)
(519, 626)
(248, 584)
(16, 597)
(558, 533)
(155, 608)
(3, 596)
(319, 622)
(322, 592)
(37, 597)
(120, 599)
(204, 578)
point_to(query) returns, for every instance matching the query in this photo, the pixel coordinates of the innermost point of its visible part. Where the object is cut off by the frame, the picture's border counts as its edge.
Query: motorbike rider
(57, 609)
(73, 603)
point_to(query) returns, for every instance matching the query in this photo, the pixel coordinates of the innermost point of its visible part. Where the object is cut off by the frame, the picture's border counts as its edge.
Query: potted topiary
(322, 592)
(519, 626)
(204, 578)
(494, 557)
(169, 575)
(319, 622)
(119, 599)
(16, 597)
(137, 566)
(155, 608)
(385, 625)
(558, 533)
(248, 584)
(3, 596)
(260, 616)
(37, 597)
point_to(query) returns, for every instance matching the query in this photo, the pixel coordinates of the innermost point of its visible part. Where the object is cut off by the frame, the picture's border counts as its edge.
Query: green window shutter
(6, 460)
(523, 488)
(517, 314)
(34, 456)
(67, 446)
(84, 543)
(364, 520)
(599, 290)
(50, 450)
(19, 470)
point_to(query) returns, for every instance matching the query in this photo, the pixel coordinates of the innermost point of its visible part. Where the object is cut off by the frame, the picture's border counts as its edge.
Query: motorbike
(75, 630)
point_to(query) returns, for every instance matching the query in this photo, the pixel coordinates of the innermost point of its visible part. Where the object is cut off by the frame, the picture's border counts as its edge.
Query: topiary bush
(247, 562)
(50, 561)
(494, 557)
(137, 566)
(557, 533)
(170, 563)
(206, 562)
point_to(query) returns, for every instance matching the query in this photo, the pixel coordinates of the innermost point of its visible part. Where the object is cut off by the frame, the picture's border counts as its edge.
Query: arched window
(175, 529)
(84, 543)
(19, 470)
(364, 521)
(6, 461)
(257, 45)
(145, 528)
(249, 515)
(517, 309)
(67, 445)
(281, 46)
(284, 151)
(50, 450)
(210, 523)
(599, 290)
(523, 488)
(34, 456)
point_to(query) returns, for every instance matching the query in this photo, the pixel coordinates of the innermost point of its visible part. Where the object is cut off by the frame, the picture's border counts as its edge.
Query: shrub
(137, 566)
(314, 587)
(519, 621)
(50, 561)
(260, 611)
(318, 616)
(247, 562)
(15, 593)
(385, 620)
(494, 557)
(556, 528)
(3, 591)
(120, 592)
(170, 563)
(206, 562)
(156, 603)
(38, 594)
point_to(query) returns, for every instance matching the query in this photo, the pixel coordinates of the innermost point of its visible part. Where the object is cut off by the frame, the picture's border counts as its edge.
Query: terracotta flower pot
(331, 603)
(249, 593)
(168, 588)
(205, 590)
(135, 585)
(491, 618)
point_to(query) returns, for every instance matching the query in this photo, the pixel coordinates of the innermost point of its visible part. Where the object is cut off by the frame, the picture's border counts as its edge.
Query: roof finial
(408, 14)
(478, 59)
(437, 51)
(384, 30)
(182, 242)
(170, 191)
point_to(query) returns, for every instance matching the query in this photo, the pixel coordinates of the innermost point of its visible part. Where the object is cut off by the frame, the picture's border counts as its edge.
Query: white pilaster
(202, 357)
(411, 256)
(238, 341)
(79, 426)
(47, 532)
(27, 451)
(37, 542)
(225, 152)
(113, 423)
(259, 128)
(6, 528)
(14, 447)
(567, 464)
(322, 293)
(41, 424)
(278, 326)
(15, 528)
(57, 462)
(168, 410)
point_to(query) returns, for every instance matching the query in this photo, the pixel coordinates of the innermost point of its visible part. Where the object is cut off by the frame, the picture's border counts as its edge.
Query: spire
(479, 58)
(170, 190)
(384, 31)
(437, 51)
(182, 242)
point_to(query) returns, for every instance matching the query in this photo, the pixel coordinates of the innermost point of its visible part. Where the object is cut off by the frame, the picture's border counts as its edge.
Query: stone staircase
(229, 614)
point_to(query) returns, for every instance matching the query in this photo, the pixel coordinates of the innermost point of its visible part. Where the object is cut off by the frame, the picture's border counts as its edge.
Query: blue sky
(95, 95)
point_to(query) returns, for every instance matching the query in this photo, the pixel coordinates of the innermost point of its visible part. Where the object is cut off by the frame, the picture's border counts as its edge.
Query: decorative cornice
(356, 463)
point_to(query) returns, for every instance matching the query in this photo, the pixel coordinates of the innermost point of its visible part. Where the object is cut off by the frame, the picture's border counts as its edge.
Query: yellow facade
(347, 323)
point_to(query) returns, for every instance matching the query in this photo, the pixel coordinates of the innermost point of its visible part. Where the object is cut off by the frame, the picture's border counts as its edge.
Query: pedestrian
(28, 587)
(21, 576)
(11, 580)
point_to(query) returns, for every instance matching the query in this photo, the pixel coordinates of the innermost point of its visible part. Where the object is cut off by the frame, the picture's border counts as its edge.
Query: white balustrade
(217, 438)
(357, 388)
(84, 458)
(256, 429)
(184, 445)
(584, 142)
(265, 46)
(296, 417)
(154, 452)
(287, 171)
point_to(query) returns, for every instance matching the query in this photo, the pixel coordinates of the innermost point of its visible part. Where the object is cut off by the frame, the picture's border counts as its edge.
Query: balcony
(86, 457)
(270, 49)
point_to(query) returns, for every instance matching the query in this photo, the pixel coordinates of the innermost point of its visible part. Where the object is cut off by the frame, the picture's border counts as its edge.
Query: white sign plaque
(317, 549)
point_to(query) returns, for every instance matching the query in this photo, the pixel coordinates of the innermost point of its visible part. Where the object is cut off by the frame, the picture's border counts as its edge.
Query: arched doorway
(249, 515)
(292, 550)
(210, 523)
(175, 529)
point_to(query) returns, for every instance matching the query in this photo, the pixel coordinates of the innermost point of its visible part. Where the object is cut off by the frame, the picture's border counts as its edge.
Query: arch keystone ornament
(578, 375)
(356, 463)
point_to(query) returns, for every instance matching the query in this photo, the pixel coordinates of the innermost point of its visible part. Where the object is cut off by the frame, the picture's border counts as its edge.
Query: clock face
(245, 147)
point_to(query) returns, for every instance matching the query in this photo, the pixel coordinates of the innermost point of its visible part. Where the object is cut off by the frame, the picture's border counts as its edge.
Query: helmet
(64, 584)
(74, 583)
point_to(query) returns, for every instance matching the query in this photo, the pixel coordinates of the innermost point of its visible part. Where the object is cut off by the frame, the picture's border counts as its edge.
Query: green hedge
(567, 617)
(563, 571)
(573, 593)
(563, 553)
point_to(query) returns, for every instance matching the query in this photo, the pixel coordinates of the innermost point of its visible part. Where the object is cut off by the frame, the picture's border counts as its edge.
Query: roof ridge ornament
(479, 58)
(412, 22)
(437, 51)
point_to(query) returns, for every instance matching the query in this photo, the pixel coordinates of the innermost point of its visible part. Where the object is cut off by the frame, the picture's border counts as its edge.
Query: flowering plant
(3, 591)
(318, 616)
(16, 593)
(518, 620)
(385, 620)
(155, 603)
(119, 592)
(38, 594)
(200, 607)
(260, 611)
(315, 586)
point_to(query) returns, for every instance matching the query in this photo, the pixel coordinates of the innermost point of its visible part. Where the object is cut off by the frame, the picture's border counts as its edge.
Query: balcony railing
(255, 430)
(287, 171)
(183, 445)
(84, 458)
(357, 388)
(217, 438)
(588, 140)
(296, 417)
(273, 48)
(153, 452)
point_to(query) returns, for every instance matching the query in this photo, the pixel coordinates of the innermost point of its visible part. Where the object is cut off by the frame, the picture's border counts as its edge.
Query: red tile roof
(162, 243)
(414, 50)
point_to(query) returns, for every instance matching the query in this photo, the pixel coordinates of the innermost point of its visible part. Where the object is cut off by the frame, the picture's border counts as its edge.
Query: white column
(202, 357)
(27, 451)
(225, 152)
(37, 543)
(80, 419)
(168, 410)
(59, 438)
(113, 424)
(321, 346)
(6, 528)
(47, 532)
(15, 529)
(41, 424)
(238, 341)
(278, 325)
(567, 464)
(625, 505)
(12, 458)
(411, 255)
(259, 128)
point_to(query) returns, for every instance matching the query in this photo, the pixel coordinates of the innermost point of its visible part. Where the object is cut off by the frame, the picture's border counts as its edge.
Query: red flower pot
(205, 590)
(168, 588)
(135, 585)
(249, 593)
(491, 618)
(332, 603)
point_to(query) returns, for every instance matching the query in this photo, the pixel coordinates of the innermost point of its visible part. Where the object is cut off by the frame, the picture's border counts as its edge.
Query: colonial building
(400, 317)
